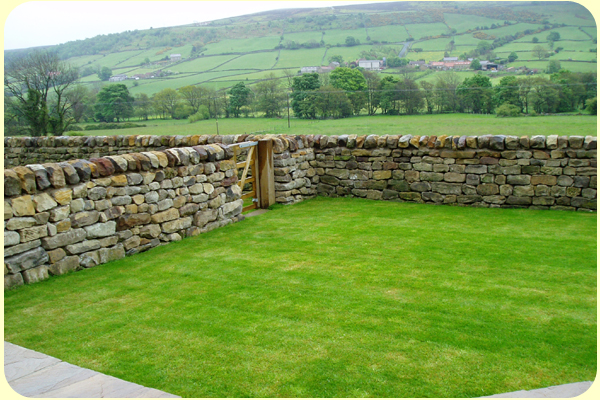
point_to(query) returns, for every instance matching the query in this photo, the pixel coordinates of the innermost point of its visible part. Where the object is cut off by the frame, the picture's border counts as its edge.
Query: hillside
(221, 53)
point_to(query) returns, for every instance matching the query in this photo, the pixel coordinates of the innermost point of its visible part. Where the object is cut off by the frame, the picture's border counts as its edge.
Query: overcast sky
(42, 23)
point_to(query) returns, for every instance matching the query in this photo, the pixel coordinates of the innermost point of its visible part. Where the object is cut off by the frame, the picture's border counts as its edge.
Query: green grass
(438, 45)
(389, 33)
(417, 31)
(463, 23)
(250, 61)
(436, 124)
(300, 58)
(338, 36)
(242, 45)
(335, 298)
(201, 64)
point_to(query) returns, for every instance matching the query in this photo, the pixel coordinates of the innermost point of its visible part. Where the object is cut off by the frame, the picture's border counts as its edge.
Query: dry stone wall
(554, 172)
(61, 217)
(38, 150)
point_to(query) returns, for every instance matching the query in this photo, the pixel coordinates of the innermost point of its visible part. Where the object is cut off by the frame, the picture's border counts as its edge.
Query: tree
(336, 58)
(354, 83)
(476, 94)
(507, 92)
(104, 73)
(37, 85)
(553, 37)
(553, 66)
(82, 100)
(475, 64)
(270, 97)
(539, 52)
(167, 102)
(303, 97)
(372, 79)
(409, 96)
(512, 57)
(193, 96)
(113, 101)
(544, 96)
(445, 96)
(142, 106)
(535, 39)
(351, 41)
(239, 96)
(428, 95)
(332, 102)
(388, 94)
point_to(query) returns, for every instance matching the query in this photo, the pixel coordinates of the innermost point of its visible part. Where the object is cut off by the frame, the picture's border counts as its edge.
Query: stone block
(67, 264)
(64, 239)
(101, 229)
(33, 233)
(203, 217)
(36, 274)
(43, 202)
(23, 206)
(84, 218)
(26, 260)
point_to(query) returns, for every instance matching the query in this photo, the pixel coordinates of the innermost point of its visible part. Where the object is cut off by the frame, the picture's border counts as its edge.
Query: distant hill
(248, 48)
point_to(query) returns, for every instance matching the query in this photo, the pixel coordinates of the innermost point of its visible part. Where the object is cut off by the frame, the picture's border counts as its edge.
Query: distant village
(448, 63)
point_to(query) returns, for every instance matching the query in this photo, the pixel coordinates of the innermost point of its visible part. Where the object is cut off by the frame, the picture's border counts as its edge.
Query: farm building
(117, 78)
(175, 57)
(371, 65)
(308, 70)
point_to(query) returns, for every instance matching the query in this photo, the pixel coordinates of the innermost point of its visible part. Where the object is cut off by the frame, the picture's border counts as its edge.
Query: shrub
(200, 115)
(591, 106)
(508, 110)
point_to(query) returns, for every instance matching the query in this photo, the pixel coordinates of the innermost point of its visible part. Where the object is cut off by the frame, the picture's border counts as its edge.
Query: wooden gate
(257, 172)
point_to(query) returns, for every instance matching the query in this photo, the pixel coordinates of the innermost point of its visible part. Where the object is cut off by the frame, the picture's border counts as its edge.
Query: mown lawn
(436, 124)
(335, 298)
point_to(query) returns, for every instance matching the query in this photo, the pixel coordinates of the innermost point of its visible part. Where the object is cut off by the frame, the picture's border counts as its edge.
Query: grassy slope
(345, 297)
(295, 59)
(436, 124)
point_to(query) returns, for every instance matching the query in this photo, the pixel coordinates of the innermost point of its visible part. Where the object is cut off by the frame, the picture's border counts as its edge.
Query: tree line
(42, 96)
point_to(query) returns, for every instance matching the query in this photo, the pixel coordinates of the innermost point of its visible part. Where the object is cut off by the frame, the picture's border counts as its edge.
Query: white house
(371, 65)
(308, 70)
(175, 57)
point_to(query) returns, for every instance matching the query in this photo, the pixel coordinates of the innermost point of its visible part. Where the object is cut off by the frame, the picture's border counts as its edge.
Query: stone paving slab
(34, 374)
(553, 392)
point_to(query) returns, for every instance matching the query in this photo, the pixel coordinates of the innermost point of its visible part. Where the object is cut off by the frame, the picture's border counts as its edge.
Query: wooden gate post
(266, 177)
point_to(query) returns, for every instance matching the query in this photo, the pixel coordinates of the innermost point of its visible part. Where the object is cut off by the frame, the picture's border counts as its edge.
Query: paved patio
(34, 374)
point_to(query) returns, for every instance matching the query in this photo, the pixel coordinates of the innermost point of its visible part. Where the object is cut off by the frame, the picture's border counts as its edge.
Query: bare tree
(38, 84)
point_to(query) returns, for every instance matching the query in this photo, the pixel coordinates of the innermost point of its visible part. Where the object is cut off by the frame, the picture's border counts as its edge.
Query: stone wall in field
(554, 172)
(67, 216)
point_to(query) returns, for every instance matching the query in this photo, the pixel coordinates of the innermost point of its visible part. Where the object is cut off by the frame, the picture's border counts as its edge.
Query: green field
(417, 31)
(202, 63)
(389, 33)
(434, 44)
(335, 298)
(260, 61)
(351, 53)
(436, 124)
(463, 23)
(338, 36)
(300, 58)
(302, 37)
(242, 45)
